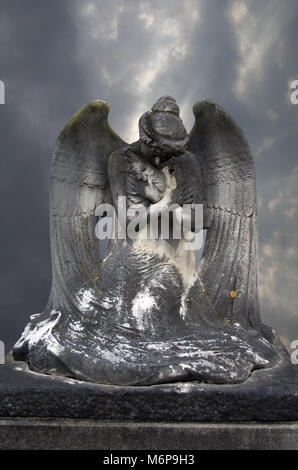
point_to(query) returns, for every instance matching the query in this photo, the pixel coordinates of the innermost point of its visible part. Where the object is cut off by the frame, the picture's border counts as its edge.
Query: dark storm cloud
(44, 86)
(56, 56)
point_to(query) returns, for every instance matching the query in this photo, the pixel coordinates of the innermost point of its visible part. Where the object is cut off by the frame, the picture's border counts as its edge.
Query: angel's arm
(144, 179)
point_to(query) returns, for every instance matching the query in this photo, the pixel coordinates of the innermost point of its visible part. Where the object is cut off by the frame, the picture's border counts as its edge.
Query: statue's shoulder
(125, 156)
(117, 160)
(117, 154)
(187, 163)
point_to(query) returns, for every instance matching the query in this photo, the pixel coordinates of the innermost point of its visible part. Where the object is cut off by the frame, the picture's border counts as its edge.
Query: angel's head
(162, 133)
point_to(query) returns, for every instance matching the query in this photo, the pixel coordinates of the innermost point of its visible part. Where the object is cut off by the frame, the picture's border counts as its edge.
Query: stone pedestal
(41, 411)
(70, 434)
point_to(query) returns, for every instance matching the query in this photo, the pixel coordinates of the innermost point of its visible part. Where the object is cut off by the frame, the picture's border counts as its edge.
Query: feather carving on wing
(228, 267)
(78, 185)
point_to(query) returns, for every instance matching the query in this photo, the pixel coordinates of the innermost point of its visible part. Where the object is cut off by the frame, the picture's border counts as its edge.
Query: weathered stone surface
(268, 396)
(145, 315)
(60, 434)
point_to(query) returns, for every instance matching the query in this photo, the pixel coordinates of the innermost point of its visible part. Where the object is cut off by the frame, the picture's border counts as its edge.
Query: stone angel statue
(144, 314)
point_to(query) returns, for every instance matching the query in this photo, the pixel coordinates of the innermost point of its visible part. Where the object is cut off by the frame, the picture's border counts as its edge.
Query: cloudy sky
(55, 56)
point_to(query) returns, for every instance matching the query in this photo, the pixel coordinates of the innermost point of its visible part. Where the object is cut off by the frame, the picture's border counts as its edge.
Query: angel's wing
(228, 268)
(78, 185)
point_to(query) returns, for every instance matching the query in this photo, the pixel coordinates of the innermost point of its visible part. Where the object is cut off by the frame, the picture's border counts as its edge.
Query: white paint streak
(43, 330)
(142, 305)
